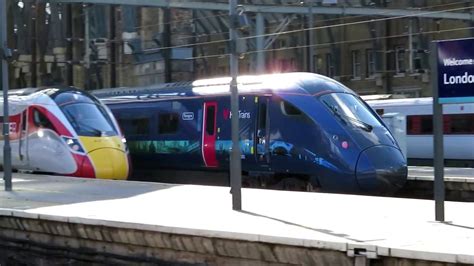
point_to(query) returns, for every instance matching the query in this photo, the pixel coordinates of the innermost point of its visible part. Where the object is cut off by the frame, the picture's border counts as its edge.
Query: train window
(40, 120)
(23, 121)
(426, 123)
(289, 109)
(89, 119)
(168, 123)
(135, 126)
(461, 124)
(210, 120)
(419, 125)
(452, 124)
(413, 124)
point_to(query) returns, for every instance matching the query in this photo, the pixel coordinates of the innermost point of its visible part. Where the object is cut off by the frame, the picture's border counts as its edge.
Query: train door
(209, 133)
(23, 138)
(262, 141)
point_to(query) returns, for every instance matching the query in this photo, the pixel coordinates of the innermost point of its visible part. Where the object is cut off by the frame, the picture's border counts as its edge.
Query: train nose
(108, 156)
(109, 163)
(381, 168)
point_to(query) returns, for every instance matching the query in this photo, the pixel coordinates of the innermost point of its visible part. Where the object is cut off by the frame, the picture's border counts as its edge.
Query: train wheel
(311, 188)
(251, 183)
(292, 184)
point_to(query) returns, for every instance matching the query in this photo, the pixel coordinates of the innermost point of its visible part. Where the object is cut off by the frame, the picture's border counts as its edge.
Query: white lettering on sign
(242, 115)
(458, 62)
(459, 79)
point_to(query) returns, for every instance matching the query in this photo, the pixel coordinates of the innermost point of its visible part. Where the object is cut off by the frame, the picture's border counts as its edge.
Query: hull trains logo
(242, 115)
(187, 116)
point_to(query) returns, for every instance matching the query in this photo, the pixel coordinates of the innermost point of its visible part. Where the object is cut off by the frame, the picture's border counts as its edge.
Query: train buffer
(459, 183)
(74, 220)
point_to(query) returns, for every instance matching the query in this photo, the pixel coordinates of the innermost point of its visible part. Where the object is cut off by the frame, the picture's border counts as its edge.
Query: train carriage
(64, 131)
(458, 129)
(297, 131)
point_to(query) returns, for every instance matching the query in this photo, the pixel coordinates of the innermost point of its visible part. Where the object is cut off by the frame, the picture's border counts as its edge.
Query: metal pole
(7, 164)
(437, 137)
(69, 46)
(87, 52)
(260, 31)
(235, 160)
(113, 48)
(311, 38)
(410, 45)
(33, 44)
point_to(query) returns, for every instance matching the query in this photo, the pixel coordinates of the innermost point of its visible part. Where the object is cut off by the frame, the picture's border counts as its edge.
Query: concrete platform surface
(383, 226)
(451, 174)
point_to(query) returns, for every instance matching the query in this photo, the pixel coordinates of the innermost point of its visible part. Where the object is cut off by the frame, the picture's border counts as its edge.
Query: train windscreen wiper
(361, 124)
(96, 132)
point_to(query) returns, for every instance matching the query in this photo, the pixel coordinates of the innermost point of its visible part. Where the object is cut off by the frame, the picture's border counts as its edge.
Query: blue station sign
(456, 71)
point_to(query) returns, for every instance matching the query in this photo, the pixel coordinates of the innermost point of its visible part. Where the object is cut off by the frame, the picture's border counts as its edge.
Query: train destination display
(456, 71)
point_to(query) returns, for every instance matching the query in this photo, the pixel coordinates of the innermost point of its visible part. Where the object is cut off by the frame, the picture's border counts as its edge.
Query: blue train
(298, 131)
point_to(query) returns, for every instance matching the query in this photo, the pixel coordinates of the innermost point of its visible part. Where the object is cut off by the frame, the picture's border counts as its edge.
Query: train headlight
(73, 144)
(124, 141)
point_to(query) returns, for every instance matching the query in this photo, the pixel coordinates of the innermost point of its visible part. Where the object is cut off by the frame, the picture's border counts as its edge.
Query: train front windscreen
(350, 109)
(86, 115)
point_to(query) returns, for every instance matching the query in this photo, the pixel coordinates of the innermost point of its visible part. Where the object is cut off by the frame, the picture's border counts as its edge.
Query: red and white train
(458, 128)
(64, 131)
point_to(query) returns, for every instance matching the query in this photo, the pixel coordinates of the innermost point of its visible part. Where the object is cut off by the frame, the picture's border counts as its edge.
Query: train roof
(24, 92)
(27, 96)
(401, 102)
(424, 105)
(289, 83)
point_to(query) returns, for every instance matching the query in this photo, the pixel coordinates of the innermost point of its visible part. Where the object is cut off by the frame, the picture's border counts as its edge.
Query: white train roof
(418, 106)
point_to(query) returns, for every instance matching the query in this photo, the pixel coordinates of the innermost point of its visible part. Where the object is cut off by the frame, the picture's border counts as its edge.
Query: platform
(274, 226)
(451, 174)
(458, 182)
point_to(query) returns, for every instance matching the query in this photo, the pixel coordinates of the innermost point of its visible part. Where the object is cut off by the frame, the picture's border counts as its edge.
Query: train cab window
(40, 120)
(168, 123)
(289, 109)
(89, 119)
(350, 109)
(23, 121)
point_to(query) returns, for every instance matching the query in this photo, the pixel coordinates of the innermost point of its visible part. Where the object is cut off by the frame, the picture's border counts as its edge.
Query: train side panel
(162, 134)
(277, 140)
